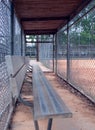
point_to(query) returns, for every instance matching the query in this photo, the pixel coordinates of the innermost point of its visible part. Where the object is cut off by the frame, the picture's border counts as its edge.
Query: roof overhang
(46, 16)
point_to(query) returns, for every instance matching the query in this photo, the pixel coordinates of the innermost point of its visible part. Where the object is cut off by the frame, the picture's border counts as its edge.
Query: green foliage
(83, 31)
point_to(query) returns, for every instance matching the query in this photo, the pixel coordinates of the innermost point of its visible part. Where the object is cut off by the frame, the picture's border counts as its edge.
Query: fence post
(21, 42)
(56, 40)
(12, 28)
(37, 47)
(53, 52)
(68, 53)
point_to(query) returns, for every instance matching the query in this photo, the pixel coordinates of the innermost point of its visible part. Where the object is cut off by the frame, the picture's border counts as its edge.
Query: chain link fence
(46, 50)
(62, 54)
(17, 37)
(5, 97)
(5, 49)
(6, 105)
(79, 68)
(5, 30)
(46, 54)
(82, 54)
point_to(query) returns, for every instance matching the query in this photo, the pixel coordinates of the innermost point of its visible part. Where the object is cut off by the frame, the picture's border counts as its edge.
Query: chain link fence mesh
(5, 30)
(6, 106)
(62, 54)
(17, 37)
(5, 49)
(5, 97)
(46, 50)
(46, 54)
(82, 54)
(81, 60)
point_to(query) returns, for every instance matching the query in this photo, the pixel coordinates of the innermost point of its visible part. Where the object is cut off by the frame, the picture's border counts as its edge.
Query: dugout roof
(46, 16)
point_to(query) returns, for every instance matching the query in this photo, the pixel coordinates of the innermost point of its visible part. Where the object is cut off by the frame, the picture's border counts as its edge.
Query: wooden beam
(44, 18)
(44, 31)
(82, 5)
(75, 12)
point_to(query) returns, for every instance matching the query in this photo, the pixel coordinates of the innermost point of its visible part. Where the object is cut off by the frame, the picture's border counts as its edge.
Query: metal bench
(47, 103)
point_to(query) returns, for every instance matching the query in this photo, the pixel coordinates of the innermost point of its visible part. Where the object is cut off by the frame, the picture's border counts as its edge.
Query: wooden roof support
(45, 18)
(44, 31)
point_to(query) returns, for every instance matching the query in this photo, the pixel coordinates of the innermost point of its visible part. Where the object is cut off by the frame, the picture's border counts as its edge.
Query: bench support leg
(36, 125)
(49, 124)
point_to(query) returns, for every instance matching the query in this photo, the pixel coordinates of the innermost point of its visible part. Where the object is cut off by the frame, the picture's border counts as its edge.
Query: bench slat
(47, 103)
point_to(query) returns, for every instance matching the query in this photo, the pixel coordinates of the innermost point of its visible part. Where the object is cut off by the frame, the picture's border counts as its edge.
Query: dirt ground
(83, 110)
(82, 74)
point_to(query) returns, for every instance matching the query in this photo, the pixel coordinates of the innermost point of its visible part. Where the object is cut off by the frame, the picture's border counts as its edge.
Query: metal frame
(53, 51)
(68, 53)
(12, 28)
(37, 47)
(56, 42)
(21, 42)
(49, 126)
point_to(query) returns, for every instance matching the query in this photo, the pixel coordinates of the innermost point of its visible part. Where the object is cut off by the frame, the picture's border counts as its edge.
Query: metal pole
(37, 48)
(36, 125)
(12, 28)
(21, 42)
(53, 52)
(68, 53)
(25, 44)
(50, 124)
(56, 45)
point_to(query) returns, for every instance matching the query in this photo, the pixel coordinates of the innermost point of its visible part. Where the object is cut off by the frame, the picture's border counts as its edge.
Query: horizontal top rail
(14, 75)
(15, 64)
